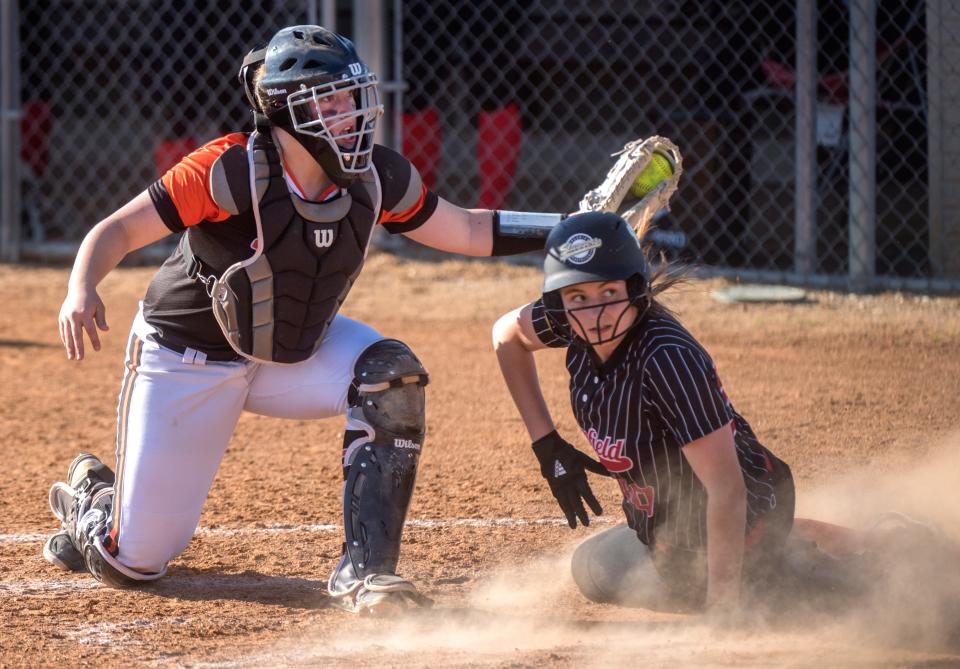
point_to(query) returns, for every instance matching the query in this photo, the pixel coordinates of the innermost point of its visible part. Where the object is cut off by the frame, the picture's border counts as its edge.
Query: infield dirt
(859, 394)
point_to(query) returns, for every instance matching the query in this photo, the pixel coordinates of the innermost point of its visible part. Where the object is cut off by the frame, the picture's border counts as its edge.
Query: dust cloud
(908, 612)
(912, 576)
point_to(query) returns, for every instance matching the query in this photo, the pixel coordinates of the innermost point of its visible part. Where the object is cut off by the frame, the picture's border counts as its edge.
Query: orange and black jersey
(183, 195)
(176, 305)
(656, 393)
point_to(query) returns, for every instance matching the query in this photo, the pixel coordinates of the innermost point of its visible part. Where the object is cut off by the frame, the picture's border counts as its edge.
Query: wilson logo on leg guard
(407, 443)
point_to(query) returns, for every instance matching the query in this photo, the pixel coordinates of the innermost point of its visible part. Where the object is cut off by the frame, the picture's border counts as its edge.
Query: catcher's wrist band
(520, 232)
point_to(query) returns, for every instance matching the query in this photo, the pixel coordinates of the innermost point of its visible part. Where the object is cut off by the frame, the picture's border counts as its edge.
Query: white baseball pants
(175, 417)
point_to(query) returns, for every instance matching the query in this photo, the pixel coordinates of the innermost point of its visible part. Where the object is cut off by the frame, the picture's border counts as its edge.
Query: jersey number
(639, 497)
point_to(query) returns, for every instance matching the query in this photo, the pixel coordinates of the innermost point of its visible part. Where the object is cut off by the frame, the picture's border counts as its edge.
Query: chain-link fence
(113, 93)
(818, 137)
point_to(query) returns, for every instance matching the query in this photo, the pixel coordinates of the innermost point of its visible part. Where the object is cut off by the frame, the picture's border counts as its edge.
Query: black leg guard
(382, 445)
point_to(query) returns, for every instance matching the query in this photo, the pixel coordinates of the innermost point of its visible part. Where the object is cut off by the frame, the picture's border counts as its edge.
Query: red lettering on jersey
(610, 452)
(640, 498)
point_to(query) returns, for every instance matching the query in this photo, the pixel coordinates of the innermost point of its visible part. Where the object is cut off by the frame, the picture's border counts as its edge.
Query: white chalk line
(47, 586)
(52, 586)
(282, 528)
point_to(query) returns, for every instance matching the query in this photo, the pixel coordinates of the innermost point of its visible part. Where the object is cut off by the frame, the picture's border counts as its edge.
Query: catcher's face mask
(344, 114)
(599, 311)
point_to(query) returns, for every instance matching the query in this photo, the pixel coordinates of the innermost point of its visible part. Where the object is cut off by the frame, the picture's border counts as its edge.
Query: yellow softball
(659, 169)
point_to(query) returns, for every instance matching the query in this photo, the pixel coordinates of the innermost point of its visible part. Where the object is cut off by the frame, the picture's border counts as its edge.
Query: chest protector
(276, 305)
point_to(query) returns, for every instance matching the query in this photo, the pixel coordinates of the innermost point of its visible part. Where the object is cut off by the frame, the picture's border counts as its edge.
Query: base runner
(709, 509)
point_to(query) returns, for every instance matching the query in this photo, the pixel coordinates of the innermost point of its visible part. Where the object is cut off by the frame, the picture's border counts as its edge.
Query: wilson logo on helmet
(356, 69)
(579, 248)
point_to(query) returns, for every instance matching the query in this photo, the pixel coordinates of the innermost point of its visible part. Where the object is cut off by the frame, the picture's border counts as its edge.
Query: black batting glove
(564, 468)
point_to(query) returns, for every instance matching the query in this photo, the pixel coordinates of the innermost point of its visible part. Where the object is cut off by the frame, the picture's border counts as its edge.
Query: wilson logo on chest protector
(323, 238)
(610, 452)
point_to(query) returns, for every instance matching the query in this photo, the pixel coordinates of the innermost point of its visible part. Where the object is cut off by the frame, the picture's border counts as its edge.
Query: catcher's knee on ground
(110, 571)
(615, 567)
(99, 544)
(85, 542)
(382, 443)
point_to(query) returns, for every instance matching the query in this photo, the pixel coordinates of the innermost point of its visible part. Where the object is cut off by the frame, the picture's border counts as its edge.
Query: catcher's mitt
(614, 193)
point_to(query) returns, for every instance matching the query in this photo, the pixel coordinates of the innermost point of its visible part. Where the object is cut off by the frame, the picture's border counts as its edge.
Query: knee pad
(382, 446)
(386, 399)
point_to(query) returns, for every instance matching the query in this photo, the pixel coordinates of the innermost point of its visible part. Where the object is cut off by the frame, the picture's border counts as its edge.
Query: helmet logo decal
(356, 69)
(579, 248)
(276, 91)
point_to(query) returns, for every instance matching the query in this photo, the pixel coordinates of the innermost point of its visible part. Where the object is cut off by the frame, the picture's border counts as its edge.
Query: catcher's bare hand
(565, 467)
(81, 310)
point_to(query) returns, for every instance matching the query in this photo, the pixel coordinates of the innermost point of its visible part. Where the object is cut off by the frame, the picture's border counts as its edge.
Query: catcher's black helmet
(301, 66)
(593, 246)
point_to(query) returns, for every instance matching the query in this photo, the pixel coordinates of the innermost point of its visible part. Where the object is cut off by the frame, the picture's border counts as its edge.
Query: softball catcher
(243, 316)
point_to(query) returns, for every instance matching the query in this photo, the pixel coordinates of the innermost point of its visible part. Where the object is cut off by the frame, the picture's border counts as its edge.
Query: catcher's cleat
(61, 499)
(62, 554)
(381, 595)
(78, 469)
(83, 508)
(89, 480)
(63, 494)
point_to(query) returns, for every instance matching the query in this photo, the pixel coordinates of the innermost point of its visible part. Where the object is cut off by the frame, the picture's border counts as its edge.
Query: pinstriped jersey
(658, 392)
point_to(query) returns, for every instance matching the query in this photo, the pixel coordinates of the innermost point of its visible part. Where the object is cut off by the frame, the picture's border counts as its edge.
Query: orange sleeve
(403, 216)
(188, 182)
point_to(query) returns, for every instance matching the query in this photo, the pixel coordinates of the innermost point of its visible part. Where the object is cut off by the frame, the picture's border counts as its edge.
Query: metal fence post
(325, 15)
(398, 85)
(938, 247)
(9, 133)
(863, 143)
(369, 34)
(328, 14)
(805, 195)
